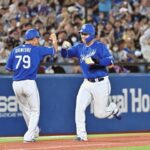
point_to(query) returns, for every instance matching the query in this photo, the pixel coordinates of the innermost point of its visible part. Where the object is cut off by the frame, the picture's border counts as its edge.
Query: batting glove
(66, 45)
(89, 61)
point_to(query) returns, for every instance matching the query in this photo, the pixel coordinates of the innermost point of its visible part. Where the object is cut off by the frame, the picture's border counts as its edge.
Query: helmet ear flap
(90, 38)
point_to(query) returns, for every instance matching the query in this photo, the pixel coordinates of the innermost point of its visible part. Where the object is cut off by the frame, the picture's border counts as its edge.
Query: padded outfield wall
(58, 98)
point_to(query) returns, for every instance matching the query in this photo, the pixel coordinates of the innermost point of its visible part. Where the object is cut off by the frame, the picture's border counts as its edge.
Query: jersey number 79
(25, 59)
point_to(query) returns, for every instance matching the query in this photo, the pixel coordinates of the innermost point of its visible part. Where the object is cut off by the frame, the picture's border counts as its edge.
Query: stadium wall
(58, 98)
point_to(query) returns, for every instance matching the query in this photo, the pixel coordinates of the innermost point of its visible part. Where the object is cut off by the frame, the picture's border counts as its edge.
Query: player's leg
(26, 111)
(101, 91)
(20, 97)
(24, 107)
(32, 96)
(83, 100)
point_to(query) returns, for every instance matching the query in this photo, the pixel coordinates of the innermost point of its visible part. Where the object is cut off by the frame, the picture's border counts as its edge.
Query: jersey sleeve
(70, 52)
(44, 51)
(107, 58)
(9, 64)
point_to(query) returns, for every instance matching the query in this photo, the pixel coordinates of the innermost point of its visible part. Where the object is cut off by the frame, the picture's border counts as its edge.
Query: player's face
(84, 36)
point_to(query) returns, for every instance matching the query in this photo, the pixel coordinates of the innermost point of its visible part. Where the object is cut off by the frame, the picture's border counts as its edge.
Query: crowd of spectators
(123, 25)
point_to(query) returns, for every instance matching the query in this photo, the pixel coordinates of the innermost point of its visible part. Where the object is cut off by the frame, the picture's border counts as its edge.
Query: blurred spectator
(22, 13)
(115, 20)
(80, 5)
(118, 30)
(145, 44)
(4, 53)
(45, 40)
(2, 33)
(4, 3)
(13, 39)
(145, 8)
(104, 7)
(120, 55)
(125, 53)
(55, 68)
(26, 26)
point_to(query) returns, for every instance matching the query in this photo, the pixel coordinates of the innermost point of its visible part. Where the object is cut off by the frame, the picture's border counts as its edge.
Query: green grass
(127, 148)
(41, 138)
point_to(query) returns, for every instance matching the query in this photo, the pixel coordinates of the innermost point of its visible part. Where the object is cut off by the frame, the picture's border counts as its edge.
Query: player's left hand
(89, 61)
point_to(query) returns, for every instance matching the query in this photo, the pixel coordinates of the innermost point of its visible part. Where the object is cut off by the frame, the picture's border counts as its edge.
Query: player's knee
(35, 110)
(100, 114)
(80, 108)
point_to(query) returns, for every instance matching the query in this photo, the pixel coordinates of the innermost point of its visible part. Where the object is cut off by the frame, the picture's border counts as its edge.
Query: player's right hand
(53, 38)
(66, 45)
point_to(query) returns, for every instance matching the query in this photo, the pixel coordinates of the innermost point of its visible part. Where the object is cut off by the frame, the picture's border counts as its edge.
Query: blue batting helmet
(88, 29)
(31, 34)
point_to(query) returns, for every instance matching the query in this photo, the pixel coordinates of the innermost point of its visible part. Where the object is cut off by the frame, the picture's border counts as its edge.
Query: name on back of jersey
(25, 49)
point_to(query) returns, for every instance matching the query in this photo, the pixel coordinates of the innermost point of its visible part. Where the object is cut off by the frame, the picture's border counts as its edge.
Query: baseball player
(24, 61)
(93, 57)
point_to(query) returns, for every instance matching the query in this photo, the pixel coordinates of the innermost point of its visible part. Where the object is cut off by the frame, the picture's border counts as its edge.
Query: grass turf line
(41, 138)
(126, 148)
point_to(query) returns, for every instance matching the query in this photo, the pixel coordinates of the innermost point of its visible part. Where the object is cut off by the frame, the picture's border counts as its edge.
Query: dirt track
(107, 142)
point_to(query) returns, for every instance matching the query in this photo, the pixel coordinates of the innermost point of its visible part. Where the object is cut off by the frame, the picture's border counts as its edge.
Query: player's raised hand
(53, 38)
(66, 45)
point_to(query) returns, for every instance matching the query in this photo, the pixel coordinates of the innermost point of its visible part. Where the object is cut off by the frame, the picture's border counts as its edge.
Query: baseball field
(125, 141)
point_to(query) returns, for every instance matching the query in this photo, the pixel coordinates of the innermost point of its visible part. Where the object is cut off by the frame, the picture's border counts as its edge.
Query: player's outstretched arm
(53, 38)
(64, 50)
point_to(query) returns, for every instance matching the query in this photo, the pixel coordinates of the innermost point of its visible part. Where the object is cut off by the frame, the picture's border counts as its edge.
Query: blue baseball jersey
(97, 51)
(24, 60)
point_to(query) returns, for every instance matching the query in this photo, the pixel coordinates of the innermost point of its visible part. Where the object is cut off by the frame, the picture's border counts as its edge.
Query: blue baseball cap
(31, 34)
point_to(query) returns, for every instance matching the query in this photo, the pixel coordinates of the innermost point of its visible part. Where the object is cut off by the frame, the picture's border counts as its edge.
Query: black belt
(95, 79)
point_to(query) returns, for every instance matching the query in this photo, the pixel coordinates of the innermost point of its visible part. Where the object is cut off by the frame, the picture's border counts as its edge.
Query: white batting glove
(66, 45)
(89, 60)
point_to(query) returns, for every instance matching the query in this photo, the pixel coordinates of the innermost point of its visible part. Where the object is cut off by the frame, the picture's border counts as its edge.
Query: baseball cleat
(79, 139)
(29, 141)
(117, 114)
(37, 132)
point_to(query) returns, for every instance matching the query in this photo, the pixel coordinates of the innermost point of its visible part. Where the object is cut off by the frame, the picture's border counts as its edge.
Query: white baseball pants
(27, 95)
(97, 94)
